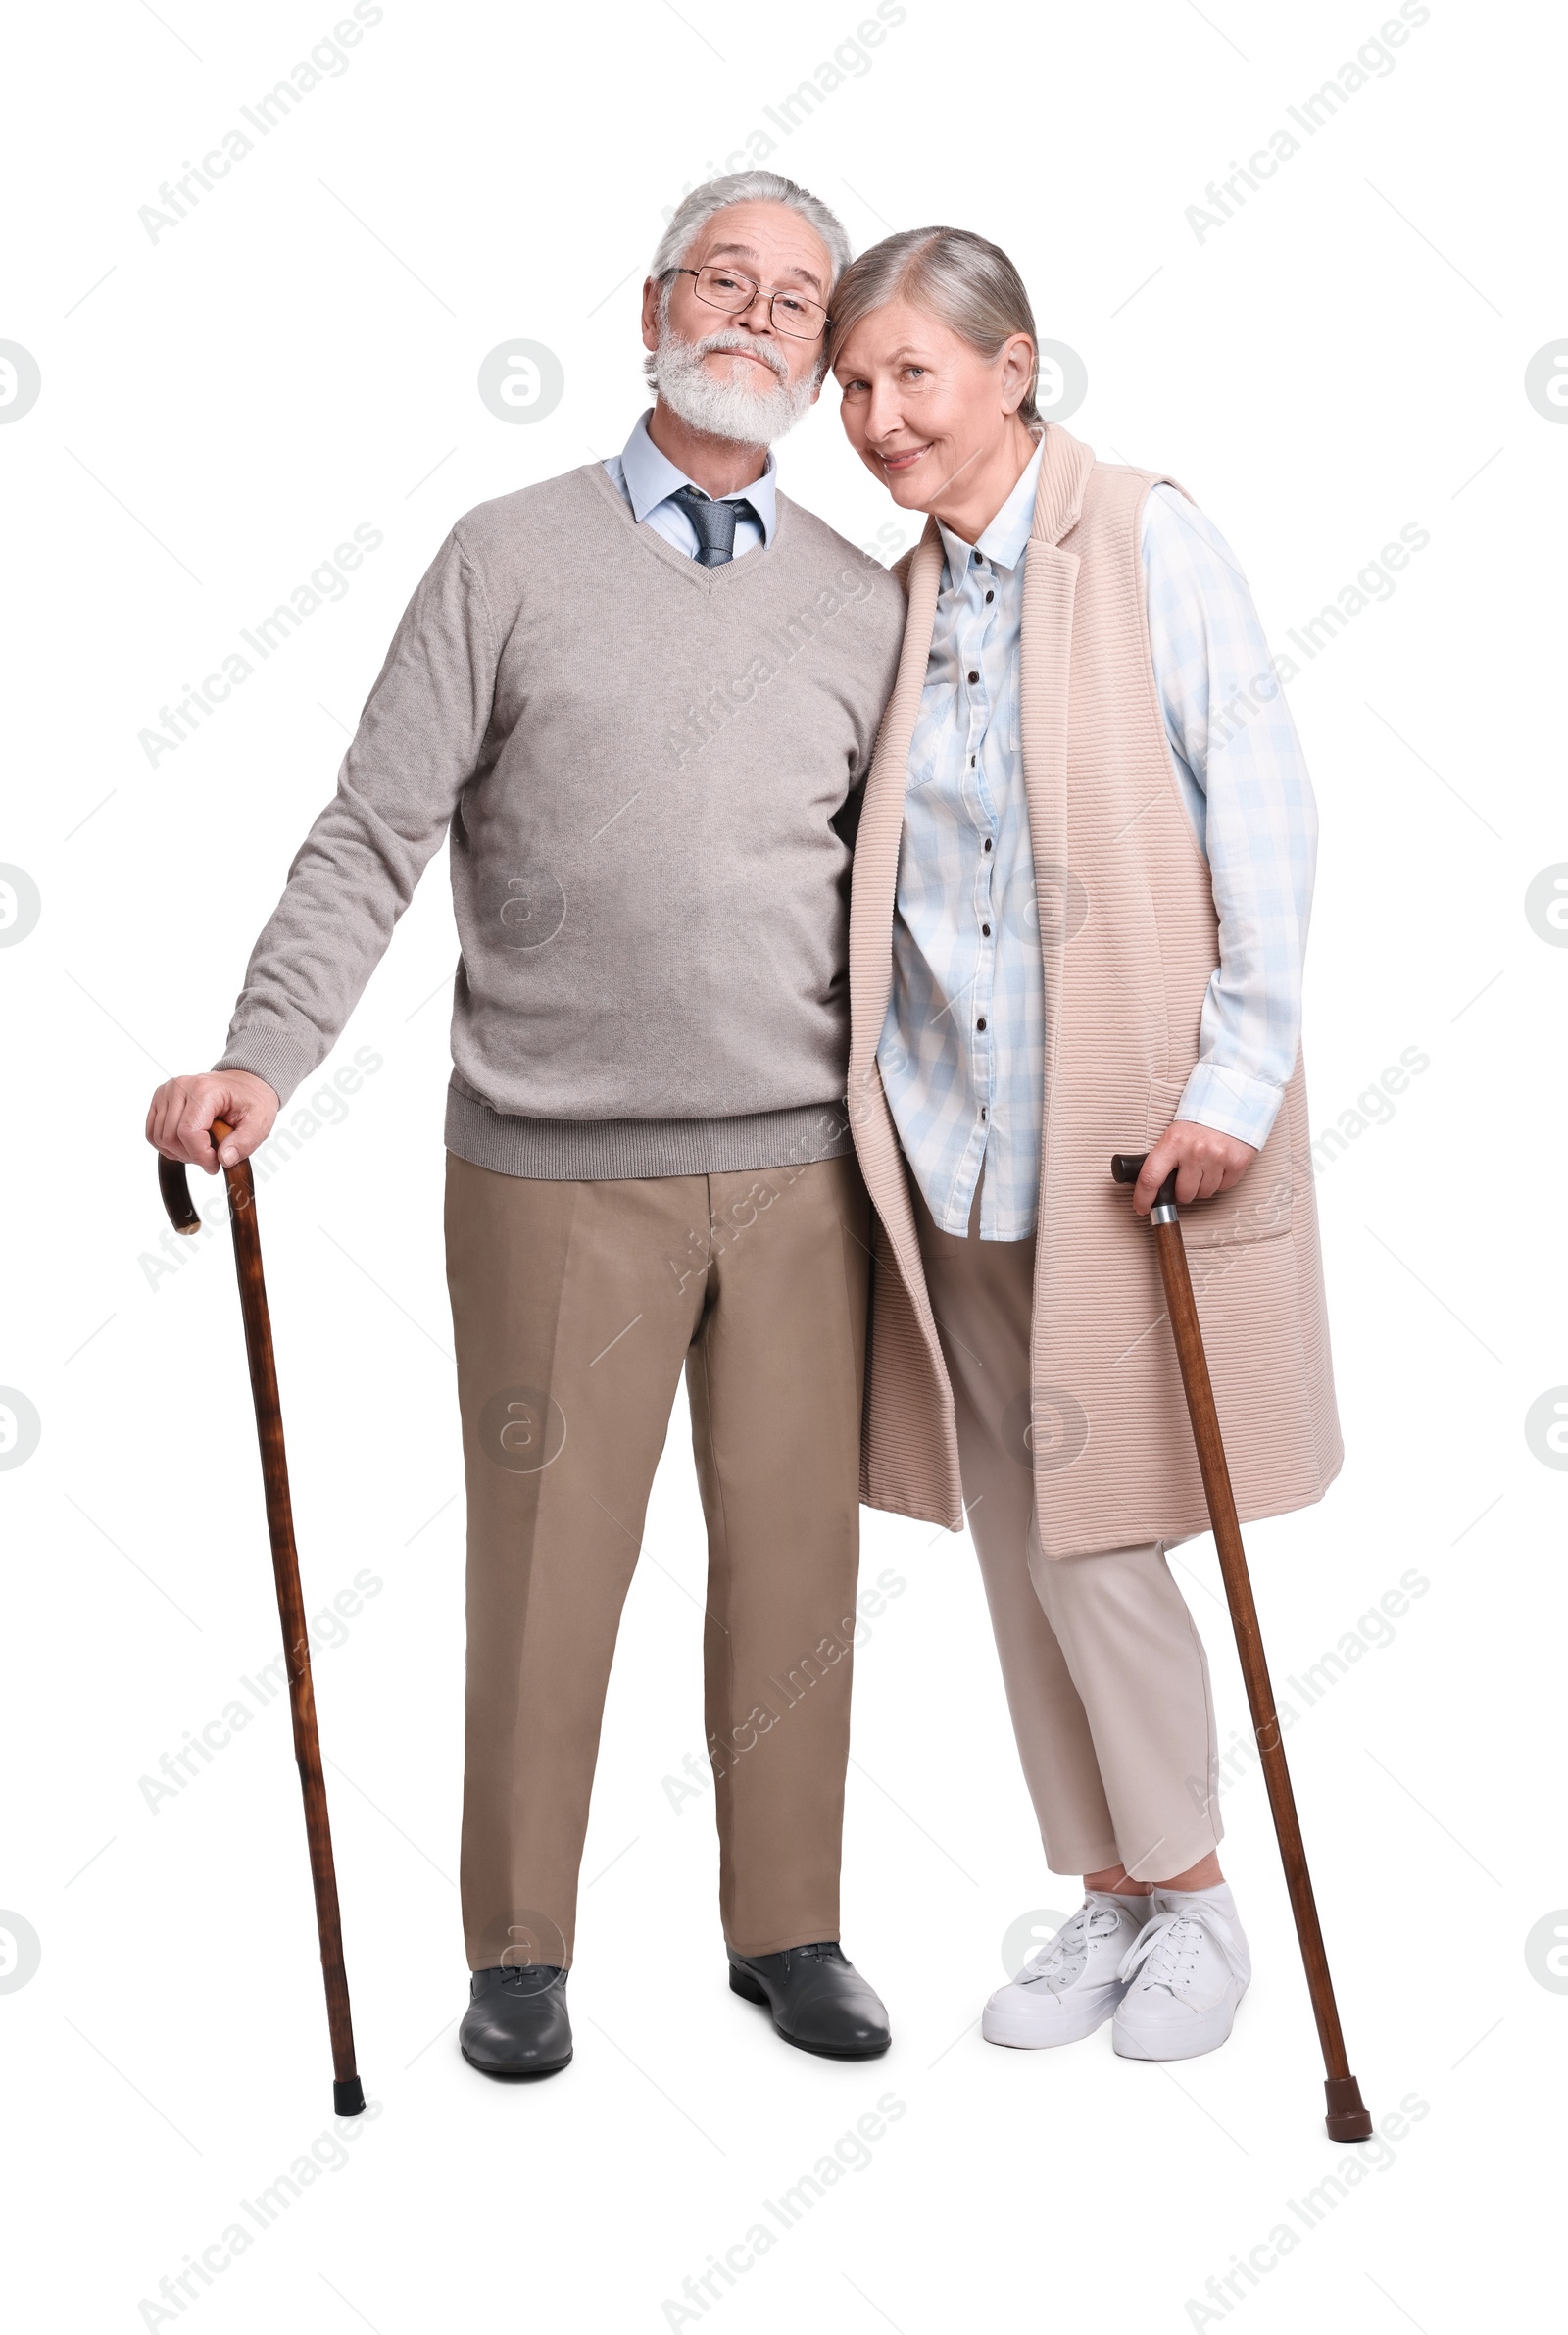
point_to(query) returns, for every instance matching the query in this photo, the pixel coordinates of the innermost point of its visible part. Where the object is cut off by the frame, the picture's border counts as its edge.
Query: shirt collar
(1005, 540)
(652, 478)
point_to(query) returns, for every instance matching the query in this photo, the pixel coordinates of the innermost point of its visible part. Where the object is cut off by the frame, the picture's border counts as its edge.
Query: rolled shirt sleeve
(420, 740)
(1244, 783)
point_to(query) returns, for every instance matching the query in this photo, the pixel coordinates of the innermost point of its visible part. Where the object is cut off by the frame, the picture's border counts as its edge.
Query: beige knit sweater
(644, 764)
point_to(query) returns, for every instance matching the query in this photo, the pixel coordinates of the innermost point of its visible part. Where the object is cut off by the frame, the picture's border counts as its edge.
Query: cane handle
(1126, 1166)
(172, 1183)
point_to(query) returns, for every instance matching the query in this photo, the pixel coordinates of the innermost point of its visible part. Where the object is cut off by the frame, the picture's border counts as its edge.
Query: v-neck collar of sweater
(705, 580)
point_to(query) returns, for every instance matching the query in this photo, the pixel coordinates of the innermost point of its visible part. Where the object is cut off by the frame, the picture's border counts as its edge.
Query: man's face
(743, 356)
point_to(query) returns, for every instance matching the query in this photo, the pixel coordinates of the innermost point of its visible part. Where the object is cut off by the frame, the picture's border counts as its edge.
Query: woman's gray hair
(965, 283)
(746, 187)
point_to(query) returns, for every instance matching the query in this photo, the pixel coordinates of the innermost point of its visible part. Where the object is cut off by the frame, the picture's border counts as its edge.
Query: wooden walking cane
(1347, 2119)
(348, 2093)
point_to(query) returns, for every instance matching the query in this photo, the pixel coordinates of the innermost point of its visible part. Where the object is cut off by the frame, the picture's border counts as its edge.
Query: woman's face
(921, 407)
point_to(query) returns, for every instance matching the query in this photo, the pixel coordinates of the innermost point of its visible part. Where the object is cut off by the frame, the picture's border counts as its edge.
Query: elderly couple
(845, 1160)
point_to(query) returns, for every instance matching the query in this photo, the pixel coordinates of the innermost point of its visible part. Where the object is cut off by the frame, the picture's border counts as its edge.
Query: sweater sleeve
(418, 745)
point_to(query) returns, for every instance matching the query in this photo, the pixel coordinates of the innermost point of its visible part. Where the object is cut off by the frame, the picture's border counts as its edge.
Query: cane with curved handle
(348, 2094)
(1347, 2119)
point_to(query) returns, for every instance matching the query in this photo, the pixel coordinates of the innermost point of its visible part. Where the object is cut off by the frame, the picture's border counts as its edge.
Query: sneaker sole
(1207, 2035)
(1023, 2034)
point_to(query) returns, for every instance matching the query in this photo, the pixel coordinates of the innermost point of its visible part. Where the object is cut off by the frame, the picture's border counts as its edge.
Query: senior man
(644, 697)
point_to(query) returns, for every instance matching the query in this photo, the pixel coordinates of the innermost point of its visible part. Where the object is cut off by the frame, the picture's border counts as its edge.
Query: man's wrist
(272, 1058)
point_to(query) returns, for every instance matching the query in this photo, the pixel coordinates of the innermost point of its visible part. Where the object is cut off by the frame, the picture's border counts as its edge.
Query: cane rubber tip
(1347, 2119)
(348, 2100)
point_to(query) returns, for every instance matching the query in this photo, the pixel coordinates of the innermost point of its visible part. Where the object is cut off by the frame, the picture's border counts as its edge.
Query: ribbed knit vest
(1129, 939)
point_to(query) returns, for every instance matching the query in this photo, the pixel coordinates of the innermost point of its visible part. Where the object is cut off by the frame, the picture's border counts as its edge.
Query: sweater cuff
(270, 1053)
(1231, 1103)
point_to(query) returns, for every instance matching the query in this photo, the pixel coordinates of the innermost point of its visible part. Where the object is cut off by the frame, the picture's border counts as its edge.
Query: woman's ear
(1016, 370)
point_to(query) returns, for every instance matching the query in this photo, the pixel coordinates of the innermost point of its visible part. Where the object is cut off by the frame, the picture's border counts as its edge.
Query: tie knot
(714, 523)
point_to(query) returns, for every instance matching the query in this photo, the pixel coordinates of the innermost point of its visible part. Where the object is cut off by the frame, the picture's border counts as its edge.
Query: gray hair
(746, 187)
(962, 280)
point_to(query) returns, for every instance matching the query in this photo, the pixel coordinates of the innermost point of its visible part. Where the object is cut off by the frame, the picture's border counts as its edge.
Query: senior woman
(1080, 902)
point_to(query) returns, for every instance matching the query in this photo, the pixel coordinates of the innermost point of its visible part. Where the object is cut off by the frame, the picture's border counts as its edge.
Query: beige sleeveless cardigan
(1129, 938)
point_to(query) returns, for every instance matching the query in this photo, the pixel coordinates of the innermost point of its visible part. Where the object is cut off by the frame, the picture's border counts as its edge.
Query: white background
(1343, 357)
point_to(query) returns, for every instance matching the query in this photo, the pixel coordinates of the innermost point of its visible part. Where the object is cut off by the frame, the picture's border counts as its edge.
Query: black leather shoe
(516, 2022)
(819, 2001)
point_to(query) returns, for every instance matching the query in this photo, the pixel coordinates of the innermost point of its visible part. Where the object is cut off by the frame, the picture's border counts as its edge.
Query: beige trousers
(1105, 1675)
(576, 1306)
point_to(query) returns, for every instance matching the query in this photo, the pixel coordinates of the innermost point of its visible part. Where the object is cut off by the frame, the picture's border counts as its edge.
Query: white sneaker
(1185, 1973)
(1071, 1986)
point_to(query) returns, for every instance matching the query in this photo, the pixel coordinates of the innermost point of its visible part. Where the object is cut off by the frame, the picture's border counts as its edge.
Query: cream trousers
(1105, 1675)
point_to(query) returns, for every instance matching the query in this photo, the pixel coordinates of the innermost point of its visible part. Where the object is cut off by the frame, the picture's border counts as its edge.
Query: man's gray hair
(959, 278)
(746, 187)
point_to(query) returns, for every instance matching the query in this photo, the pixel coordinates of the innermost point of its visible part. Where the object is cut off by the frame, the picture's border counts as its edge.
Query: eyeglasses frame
(782, 293)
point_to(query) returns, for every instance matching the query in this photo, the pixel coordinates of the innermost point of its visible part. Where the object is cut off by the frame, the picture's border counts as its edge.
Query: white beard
(728, 408)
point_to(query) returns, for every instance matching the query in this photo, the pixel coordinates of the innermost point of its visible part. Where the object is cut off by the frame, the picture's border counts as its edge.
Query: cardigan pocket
(1256, 1208)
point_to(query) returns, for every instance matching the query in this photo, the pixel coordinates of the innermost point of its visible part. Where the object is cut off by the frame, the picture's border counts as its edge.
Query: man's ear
(652, 287)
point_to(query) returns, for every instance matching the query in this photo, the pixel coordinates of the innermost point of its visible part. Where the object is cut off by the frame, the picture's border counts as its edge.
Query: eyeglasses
(789, 313)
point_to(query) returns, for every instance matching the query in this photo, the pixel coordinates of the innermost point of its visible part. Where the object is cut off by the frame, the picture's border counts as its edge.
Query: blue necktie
(714, 524)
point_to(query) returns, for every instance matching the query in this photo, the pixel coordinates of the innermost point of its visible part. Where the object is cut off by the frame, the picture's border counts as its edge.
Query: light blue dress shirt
(963, 1050)
(647, 478)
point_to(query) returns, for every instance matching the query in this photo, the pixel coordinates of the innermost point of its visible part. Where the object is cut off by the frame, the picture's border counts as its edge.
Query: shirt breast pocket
(933, 735)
